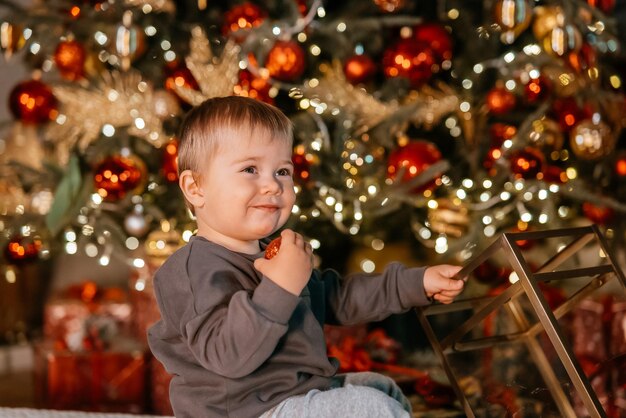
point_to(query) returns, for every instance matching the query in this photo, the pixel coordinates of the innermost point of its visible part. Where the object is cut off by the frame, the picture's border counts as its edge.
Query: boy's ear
(191, 189)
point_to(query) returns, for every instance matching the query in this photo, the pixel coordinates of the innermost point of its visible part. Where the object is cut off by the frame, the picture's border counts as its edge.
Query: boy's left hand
(439, 283)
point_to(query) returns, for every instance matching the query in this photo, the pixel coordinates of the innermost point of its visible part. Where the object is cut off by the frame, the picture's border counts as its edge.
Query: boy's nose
(271, 185)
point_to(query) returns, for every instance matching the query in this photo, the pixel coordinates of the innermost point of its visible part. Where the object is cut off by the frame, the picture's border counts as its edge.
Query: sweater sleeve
(361, 298)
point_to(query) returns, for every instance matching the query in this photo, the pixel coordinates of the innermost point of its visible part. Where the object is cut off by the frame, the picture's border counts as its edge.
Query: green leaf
(65, 197)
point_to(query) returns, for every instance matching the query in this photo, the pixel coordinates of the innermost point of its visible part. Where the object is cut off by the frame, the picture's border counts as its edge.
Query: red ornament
(272, 248)
(244, 16)
(536, 89)
(491, 274)
(437, 37)
(254, 87)
(598, 214)
(527, 163)
(32, 102)
(22, 249)
(584, 59)
(180, 77)
(169, 164)
(412, 159)
(285, 61)
(568, 113)
(605, 5)
(69, 58)
(500, 132)
(359, 69)
(554, 174)
(117, 175)
(620, 165)
(389, 6)
(410, 59)
(301, 167)
(492, 156)
(500, 100)
(303, 7)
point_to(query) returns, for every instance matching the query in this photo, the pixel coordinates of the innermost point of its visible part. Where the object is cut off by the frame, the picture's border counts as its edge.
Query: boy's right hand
(291, 267)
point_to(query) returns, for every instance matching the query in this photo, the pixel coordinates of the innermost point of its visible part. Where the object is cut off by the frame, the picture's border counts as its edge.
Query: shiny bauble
(500, 132)
(546, 134)
(620, 165)
(136, 223)
(554, 174)
(129, 43)
(564, 82)
(32, 102)
(591, 140)
(411, 160)
(536, 90)
(526, 163)
(410, 59)
(169, 163)
(70, 57)
(22, 249)
(253, 86)
(513, 17)
(359, 69)
(568, 113)
(500, 100)
(180, 77)
(286, 61)
(11, 38)
(437, 37)
(389, 6)
(606, 6)
(118, 175)
(272, 248)
(598, 214)
(584, 60)
(545, 19)
(562, 40)
(244, 16)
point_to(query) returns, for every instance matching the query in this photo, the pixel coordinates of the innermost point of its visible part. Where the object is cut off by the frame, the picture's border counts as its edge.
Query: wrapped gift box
(107, 381)
(86, 317)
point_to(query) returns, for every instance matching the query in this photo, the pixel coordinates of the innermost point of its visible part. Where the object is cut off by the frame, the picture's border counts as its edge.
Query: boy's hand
(291, 267)
(439, 284)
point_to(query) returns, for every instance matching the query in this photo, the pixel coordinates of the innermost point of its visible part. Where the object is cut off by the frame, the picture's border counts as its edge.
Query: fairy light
(104, 260)
(139, 263)
(461, 194)
(367, 265)
(71, 248)
(132, 243)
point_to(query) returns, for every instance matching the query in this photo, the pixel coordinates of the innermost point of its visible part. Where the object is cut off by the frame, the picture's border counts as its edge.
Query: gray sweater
(237, 344)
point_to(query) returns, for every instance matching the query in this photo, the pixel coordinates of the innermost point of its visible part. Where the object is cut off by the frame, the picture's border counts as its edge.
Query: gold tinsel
(215, 76)
(423, 108)
(120, 100)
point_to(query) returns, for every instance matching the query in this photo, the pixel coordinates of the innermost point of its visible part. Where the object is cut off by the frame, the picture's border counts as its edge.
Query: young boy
(243, 335)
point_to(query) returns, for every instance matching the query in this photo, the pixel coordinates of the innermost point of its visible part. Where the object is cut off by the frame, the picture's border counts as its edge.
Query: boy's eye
(250, 170)
(284, 172)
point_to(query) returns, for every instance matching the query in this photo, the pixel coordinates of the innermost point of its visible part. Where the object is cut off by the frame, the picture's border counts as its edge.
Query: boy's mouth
(267, 208)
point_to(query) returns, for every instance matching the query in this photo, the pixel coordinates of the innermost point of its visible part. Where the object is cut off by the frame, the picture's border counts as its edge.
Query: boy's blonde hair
(207, 125)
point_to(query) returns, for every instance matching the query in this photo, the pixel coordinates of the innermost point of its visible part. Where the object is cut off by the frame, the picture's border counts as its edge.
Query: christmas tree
(434, 124)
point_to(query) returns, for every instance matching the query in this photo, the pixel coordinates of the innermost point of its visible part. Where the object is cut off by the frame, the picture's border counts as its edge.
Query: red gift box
(104, 381)
(85, 317)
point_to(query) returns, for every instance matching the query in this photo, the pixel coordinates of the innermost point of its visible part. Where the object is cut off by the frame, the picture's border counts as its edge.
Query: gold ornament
(161, 244)
(591, 141)
(564, 81)
(562, 40)
(546, 133)
(11, 38)
(547, 18)
(513, 17)
(120, 100)
(215, 76)
(450, 217)
(129, 41)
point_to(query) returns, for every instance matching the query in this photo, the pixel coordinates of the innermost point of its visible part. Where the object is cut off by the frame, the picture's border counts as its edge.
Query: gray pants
(362, 395)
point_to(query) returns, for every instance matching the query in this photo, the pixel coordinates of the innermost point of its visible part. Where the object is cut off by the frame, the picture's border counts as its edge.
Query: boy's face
(247, 190)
